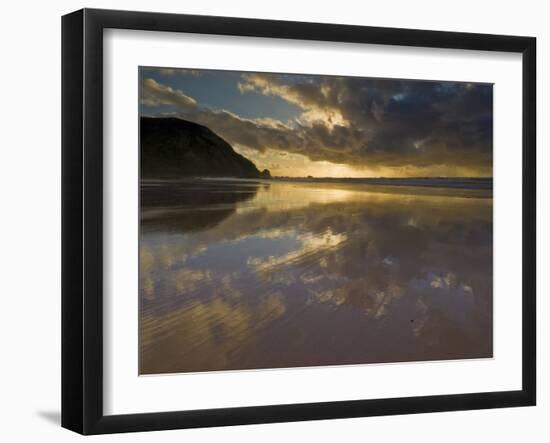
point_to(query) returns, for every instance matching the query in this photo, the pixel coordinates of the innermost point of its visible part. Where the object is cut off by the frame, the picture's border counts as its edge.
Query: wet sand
(244, 274)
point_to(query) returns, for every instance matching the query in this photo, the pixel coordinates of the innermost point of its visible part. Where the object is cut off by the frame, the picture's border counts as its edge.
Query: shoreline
(473, 183)
(485, 183)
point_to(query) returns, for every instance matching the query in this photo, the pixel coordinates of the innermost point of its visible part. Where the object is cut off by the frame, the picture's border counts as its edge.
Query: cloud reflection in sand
(241, 275)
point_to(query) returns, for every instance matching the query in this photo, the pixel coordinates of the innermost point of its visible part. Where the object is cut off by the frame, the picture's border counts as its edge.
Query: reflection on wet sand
(248, 274)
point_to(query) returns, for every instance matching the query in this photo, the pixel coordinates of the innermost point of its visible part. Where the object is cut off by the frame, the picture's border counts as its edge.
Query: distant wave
(432, 182)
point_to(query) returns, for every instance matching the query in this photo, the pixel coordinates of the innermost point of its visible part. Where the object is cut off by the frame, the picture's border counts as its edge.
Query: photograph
(300, 220)
(275, 222)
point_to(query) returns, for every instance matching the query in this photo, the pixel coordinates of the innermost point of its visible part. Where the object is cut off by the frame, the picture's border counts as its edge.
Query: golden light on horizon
(296, 165)
(286, 164)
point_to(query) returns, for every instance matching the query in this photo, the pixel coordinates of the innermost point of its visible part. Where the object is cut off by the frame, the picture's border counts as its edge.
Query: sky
(329, 126)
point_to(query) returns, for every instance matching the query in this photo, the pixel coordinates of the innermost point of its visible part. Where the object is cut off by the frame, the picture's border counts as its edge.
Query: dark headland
(175, 148)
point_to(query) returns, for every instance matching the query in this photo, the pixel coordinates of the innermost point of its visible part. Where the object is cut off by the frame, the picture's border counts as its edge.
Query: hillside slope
(172, 147)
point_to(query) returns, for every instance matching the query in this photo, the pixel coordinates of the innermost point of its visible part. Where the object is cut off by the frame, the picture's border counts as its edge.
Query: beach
(254, 274)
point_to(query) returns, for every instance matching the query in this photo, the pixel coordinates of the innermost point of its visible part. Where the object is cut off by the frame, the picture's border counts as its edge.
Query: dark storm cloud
(363, 122)
(170, 72)
(391, 122)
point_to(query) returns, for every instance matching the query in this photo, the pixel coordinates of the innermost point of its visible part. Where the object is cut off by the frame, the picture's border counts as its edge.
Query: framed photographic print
(269, 221)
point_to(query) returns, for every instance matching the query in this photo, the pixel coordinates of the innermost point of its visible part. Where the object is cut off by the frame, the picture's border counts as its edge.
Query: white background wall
(30, 219)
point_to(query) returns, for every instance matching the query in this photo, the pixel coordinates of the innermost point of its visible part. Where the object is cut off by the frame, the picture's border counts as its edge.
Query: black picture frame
(82, 220)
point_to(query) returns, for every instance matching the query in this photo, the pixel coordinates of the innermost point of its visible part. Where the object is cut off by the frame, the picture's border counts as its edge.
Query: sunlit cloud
(157, 94)
(312, 98)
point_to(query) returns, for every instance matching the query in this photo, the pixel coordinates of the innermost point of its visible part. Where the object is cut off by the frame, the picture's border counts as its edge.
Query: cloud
(169, 72)
(391, 122)
(310, 96)
(402, 127)
(156, 94)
